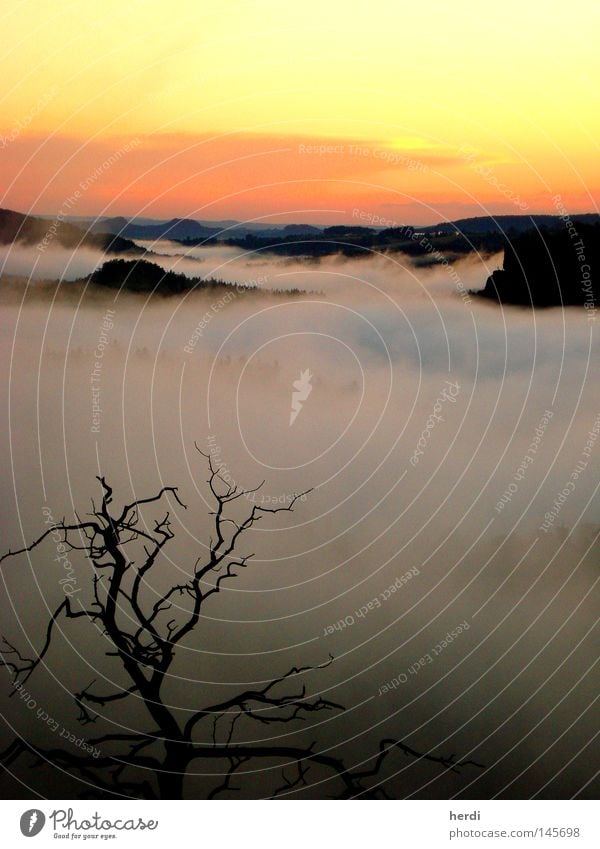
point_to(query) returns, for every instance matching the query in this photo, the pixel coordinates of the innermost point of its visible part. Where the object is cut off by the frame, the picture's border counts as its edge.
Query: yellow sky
(517, 81)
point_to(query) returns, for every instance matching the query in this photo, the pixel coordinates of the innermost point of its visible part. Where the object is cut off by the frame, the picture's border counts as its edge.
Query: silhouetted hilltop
(140, 276)
(116, 225)
(143, 276)
(508, 224)
(30, 230)
(300, 230)
(549, 268)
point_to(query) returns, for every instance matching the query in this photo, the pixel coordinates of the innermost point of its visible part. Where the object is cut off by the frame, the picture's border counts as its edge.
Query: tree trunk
(170, 779)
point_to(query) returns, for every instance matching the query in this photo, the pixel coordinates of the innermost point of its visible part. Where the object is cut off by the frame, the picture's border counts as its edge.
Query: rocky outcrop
(545, 268)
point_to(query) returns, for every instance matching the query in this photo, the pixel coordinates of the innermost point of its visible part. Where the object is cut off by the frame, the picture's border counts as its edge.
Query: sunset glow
(299, 330)
(441, 114)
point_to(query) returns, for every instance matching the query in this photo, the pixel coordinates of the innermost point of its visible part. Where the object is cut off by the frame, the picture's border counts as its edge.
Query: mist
(440, 435)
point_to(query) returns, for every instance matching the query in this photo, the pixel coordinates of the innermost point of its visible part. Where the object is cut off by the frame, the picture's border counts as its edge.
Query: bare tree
(143, 637)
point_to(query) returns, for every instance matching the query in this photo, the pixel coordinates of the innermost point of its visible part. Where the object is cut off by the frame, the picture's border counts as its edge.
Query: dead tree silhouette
(143, 638)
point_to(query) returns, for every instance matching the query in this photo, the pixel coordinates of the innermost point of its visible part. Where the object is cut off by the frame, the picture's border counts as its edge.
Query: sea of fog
(442, 437)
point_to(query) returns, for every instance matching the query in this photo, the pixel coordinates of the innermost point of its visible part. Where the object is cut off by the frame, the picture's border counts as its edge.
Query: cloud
(227, 175)
(380, 348)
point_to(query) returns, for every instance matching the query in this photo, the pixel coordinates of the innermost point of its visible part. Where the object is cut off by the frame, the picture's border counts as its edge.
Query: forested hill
(16, 228)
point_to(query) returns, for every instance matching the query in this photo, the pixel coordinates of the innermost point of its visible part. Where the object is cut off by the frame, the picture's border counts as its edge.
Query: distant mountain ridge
(175, 229)
(184, 229)
(192, 231)
(507, 224)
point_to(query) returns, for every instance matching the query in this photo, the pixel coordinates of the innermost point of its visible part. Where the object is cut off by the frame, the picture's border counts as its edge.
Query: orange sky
(312, 112)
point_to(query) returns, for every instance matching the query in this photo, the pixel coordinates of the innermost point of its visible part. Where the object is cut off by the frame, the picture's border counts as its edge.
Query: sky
(322, 112)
